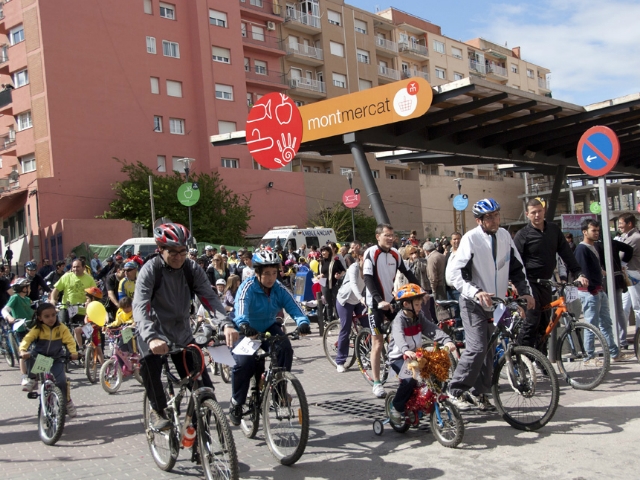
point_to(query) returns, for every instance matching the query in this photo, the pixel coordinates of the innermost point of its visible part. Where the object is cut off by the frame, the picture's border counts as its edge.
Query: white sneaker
(25, 380)
(71, 409)
(461, 403)
(378, 390)
(341, 369)
(30, 385)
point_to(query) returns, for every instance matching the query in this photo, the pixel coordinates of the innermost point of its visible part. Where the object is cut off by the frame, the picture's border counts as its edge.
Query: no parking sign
(598, 151)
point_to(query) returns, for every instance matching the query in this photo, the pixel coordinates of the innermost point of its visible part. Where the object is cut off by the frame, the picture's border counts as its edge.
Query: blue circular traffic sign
(598, 151)
(460, 202)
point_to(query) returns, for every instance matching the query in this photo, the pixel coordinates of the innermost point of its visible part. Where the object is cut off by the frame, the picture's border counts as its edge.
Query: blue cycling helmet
(131, 266)
(30, 265)
(265, 258)
(484, 206)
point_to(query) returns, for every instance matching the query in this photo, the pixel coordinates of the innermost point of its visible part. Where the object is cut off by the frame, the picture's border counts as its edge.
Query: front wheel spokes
(217, 447)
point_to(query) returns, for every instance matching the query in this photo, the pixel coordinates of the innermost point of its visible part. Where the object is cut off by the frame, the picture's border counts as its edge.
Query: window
(336, 49)
(360, 26)
(155, 85)
(21, 78)
(450, 173)
(157, 123)
(363, 56)
(28, 163)
(151, 45)
(243, 29)
(438, 46)
(375, 173)
(346, 171)
(148, 7)
(249, 99)
(326, 170)
(529, 73)
(306, 169)
(257, 33)
(230, 162)
(167, 11)
(456, 52)
(176, 126)
(219, 19)
(224, 92)
(162, 163)
(170, 49)
(364, 84)
(174, 89)
(334, 18)
(226, 127)
(16, 35)
(177, 165)
(514, 68)
(457, 76)
(316, 169)
(222, 55)
(247, 67)
(261, 67)
(440, 73)
(299, 103)
(24, 120)
(339, 80)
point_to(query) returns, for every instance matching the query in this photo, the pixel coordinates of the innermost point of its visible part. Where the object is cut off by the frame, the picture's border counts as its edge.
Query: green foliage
(338, 217)
(220, 216)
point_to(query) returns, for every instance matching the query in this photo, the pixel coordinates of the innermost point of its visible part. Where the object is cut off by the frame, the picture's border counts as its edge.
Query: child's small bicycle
(121, 364)
(428, 398)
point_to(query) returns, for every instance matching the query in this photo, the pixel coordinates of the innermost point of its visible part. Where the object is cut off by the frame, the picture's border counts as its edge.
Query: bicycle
(582, 369)
(330, 340)
(277, 395)
(363, 346)
(214, 443)
(121, 365)
(8, 344)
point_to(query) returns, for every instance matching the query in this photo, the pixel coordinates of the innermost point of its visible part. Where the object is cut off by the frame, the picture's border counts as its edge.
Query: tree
(220, 216)
(338, 217)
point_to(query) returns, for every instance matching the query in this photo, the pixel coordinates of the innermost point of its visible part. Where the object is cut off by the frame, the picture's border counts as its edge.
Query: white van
(141, 246)
(292, 236)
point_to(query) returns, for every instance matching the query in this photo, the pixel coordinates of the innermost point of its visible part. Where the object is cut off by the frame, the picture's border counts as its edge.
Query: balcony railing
(477, 67)
(262, 6)
(7, 140)
(410, 47)
(387, 44)
(297, 16)
(388, 72)
(544, 83)
(261, 74)
(306, 50)
(412, 72)
(496, 70)
(1, 13)
(308, 84)
(262, 40)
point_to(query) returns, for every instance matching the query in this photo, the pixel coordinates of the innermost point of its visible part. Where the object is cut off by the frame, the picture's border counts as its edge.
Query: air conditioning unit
(271, 25)
(294, 82)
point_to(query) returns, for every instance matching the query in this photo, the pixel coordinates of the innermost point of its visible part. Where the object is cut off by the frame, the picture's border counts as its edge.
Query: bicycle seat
(447, 303)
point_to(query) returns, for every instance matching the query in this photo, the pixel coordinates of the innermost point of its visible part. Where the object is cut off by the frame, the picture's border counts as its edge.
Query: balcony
(305, 54)
(496, 72)
(477, 68)
(302, 22)
(387, 75)
(413, 50)
(386, 47)
(262, 9)
(544, 84)
(8, 143)
(412, 72)
(6, 101)
(262, 43)
(306, 87)
(266, 78)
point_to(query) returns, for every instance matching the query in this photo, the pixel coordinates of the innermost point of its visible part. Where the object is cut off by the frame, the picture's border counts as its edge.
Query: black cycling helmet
(172, 235)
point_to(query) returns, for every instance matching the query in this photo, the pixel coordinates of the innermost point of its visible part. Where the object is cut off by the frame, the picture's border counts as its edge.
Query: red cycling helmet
(172, 235)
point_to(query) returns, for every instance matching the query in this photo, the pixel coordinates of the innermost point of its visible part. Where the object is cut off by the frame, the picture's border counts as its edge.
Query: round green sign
(595, 207)
(188, 194)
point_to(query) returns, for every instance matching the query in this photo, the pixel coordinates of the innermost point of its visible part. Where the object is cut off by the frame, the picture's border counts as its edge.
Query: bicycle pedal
(33, 395)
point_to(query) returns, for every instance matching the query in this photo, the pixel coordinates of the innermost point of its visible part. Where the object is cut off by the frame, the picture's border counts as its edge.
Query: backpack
(188, 275)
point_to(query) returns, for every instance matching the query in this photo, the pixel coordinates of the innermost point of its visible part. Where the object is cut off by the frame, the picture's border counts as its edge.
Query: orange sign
(382, 105)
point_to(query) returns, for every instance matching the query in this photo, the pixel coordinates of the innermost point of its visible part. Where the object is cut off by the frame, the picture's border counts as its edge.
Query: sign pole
(608, 257)
(153, 208)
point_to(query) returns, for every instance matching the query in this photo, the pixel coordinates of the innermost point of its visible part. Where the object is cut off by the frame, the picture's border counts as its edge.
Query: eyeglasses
(129, 270)
(175, 253)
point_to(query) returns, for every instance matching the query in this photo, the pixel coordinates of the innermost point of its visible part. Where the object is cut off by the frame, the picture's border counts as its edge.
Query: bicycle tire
(363, 352)
(51, 422)
(330, 344)
(8, 354)
(91, 364)
(250, 423)
(451, 432)
(580, 371)
(388, 405)
(164, 450)
(225, 372)
(217, 449)
(636, 343)
(286, 441)
(15, 349)
(526, 400)
(111, 376)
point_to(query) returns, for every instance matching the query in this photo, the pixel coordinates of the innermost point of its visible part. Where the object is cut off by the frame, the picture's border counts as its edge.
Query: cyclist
(484, 263)
(258, 300)
(92, 294)
(19, 306)
(127, 285)
(72, 285)
(161, 306)
(36, 281)
(381, 263)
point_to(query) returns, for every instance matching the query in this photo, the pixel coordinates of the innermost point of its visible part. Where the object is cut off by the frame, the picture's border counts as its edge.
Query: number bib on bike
(127, 335)
(246, 347)
(42, 364)
(87, 330)
(570, 294)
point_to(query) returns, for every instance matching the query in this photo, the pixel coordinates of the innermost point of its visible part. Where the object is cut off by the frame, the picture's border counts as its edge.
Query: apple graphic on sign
(284, 111)
(188, 193)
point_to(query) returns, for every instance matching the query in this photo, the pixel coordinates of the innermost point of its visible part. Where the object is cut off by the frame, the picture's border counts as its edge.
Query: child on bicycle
(19, 307)
(408, 327)
(124, 318)
(47, 337)
(92, 294)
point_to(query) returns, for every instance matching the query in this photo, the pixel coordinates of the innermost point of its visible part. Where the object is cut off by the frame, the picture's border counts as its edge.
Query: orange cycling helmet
(409, 292)
(95, 292)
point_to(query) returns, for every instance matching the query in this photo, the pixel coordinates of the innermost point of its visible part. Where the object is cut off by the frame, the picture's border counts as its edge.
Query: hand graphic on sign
(287, 149)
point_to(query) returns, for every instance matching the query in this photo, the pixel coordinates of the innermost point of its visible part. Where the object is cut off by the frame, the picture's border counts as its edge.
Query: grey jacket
(406, 334)
(166, 316)
(632, 237)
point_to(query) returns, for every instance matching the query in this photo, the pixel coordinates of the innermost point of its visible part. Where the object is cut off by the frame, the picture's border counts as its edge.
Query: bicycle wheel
(15, 349)
(388, 405)
(363, 354)
(330, 341)
(225, 372)
(91, 364)
(111, 376)
(525, 398)
(582, 370)
(8, 353)
(51, 414)
(163, 445)
(250, 422)
(446, 424)
(215, 441)
(285, 418)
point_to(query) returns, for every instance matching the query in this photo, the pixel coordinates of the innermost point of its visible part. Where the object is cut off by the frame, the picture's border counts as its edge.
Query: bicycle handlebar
(551, 283)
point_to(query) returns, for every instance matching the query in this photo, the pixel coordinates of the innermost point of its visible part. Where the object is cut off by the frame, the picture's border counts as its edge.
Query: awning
(12, 201)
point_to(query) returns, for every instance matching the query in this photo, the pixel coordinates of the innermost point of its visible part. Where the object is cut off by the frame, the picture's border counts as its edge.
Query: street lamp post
(353, 218)
(187, 168)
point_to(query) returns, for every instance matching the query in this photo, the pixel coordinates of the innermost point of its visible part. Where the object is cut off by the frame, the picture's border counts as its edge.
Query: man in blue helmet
(485, 262)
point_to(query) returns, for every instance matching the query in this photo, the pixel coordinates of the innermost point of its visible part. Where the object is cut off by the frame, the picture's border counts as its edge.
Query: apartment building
(151, 80)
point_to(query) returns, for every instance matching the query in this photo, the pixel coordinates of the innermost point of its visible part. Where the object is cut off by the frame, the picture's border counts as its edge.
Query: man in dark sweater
(595, 303)
(538, 243)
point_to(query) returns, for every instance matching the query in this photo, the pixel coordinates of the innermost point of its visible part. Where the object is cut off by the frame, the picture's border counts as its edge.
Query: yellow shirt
(122, 318)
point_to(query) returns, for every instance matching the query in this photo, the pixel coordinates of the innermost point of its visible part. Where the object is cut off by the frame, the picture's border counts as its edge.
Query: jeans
(621, 319)
(345, 312)
(536, 320)
(330, 302)
(634, 299)
(57, 370)
(596, 312)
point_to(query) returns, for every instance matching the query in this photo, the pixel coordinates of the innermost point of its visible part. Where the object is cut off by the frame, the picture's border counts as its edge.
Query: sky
(592, 47)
